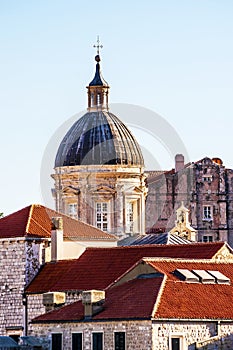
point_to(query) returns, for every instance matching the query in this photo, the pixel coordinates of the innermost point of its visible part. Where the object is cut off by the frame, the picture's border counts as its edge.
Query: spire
(98, 79)
(98, 87)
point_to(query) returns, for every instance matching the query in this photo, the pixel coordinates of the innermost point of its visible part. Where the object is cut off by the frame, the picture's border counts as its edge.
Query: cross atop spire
(98, 46)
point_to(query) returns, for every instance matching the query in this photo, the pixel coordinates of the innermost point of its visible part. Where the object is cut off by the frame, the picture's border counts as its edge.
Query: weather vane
(98, 46)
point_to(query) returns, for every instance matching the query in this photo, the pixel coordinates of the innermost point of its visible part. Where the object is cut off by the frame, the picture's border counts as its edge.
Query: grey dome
(99, 138)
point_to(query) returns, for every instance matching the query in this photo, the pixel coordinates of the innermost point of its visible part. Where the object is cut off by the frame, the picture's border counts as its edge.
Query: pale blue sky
(174, 57)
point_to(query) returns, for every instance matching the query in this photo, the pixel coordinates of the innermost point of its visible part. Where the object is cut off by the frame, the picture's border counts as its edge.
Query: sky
(173, 58)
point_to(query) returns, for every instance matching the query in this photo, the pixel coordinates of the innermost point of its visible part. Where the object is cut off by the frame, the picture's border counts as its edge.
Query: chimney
(179, 162)
(92, 301)
(57, 239)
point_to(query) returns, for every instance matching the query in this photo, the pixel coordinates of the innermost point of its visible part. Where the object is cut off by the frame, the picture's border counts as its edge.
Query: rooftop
(35, 221)
(167, 296)
(97, 268)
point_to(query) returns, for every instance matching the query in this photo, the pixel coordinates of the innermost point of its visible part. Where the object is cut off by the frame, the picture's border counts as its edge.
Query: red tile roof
(124, 301)
(194, 300)
(35, 221)
(174, 299)
(98, 267)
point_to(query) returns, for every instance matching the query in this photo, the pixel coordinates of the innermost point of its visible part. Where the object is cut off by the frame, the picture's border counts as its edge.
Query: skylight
(186, 275)
(220, 278)
(204, 276)
(201, 276)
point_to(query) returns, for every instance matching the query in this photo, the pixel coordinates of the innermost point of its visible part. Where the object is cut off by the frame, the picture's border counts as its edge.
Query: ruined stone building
(205, 187)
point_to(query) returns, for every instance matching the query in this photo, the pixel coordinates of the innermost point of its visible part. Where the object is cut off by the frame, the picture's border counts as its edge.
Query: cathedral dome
(99, 138)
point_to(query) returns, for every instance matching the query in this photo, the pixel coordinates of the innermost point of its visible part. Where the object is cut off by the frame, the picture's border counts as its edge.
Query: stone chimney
(179, 162)
(57, 239)
(92, 301)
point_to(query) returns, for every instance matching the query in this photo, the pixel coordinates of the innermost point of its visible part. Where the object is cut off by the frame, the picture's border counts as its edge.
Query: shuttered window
(97, 341)
(56, 341)
(176, 344)
(77, 341)
(119, 340)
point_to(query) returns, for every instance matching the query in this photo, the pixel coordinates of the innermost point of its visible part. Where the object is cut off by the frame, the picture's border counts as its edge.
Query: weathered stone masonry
(149, 335)
(20, 260)
(138, 333)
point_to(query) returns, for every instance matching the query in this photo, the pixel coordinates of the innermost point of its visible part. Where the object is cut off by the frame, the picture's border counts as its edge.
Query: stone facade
(138, 333)
(193, 335)
(205, 187)
(20, 260)
(35, 306)
(141, 335)
(117, 186)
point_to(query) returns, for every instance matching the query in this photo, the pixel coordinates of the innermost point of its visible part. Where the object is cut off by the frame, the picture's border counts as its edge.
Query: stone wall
(12, 282)
(138, 333)
(19, 262)
(36, 308)
(35, 257)
(145, 335)
(201, 335)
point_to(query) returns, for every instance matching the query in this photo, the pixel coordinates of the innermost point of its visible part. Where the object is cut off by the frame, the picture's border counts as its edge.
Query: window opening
(129, 217)
(119, 338)
(102, 215)
(56, 341)
(77, 341)
(97, 341)
(207, 212)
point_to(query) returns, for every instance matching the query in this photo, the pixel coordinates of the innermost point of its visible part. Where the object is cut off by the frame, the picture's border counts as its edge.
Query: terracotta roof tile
(195, 300)
(35, 221)
(14, 225)
(124, 301)
(176, 299)
(69, 312)
(98, 267)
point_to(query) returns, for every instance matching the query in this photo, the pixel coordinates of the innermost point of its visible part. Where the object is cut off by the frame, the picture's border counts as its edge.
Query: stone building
(188, 305)
(205, 187)
(99, 169)
(98, 268)
(25, 245)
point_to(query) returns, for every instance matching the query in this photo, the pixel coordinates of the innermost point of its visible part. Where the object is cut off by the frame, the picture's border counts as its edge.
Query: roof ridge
(29, 218)
(159, 295)
(160, 245)
(186, 260)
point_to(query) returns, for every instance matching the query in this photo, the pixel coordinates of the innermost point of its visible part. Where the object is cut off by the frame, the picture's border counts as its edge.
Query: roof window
(201, 276)
(186, 275)
(204, 276)
(220, 278)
